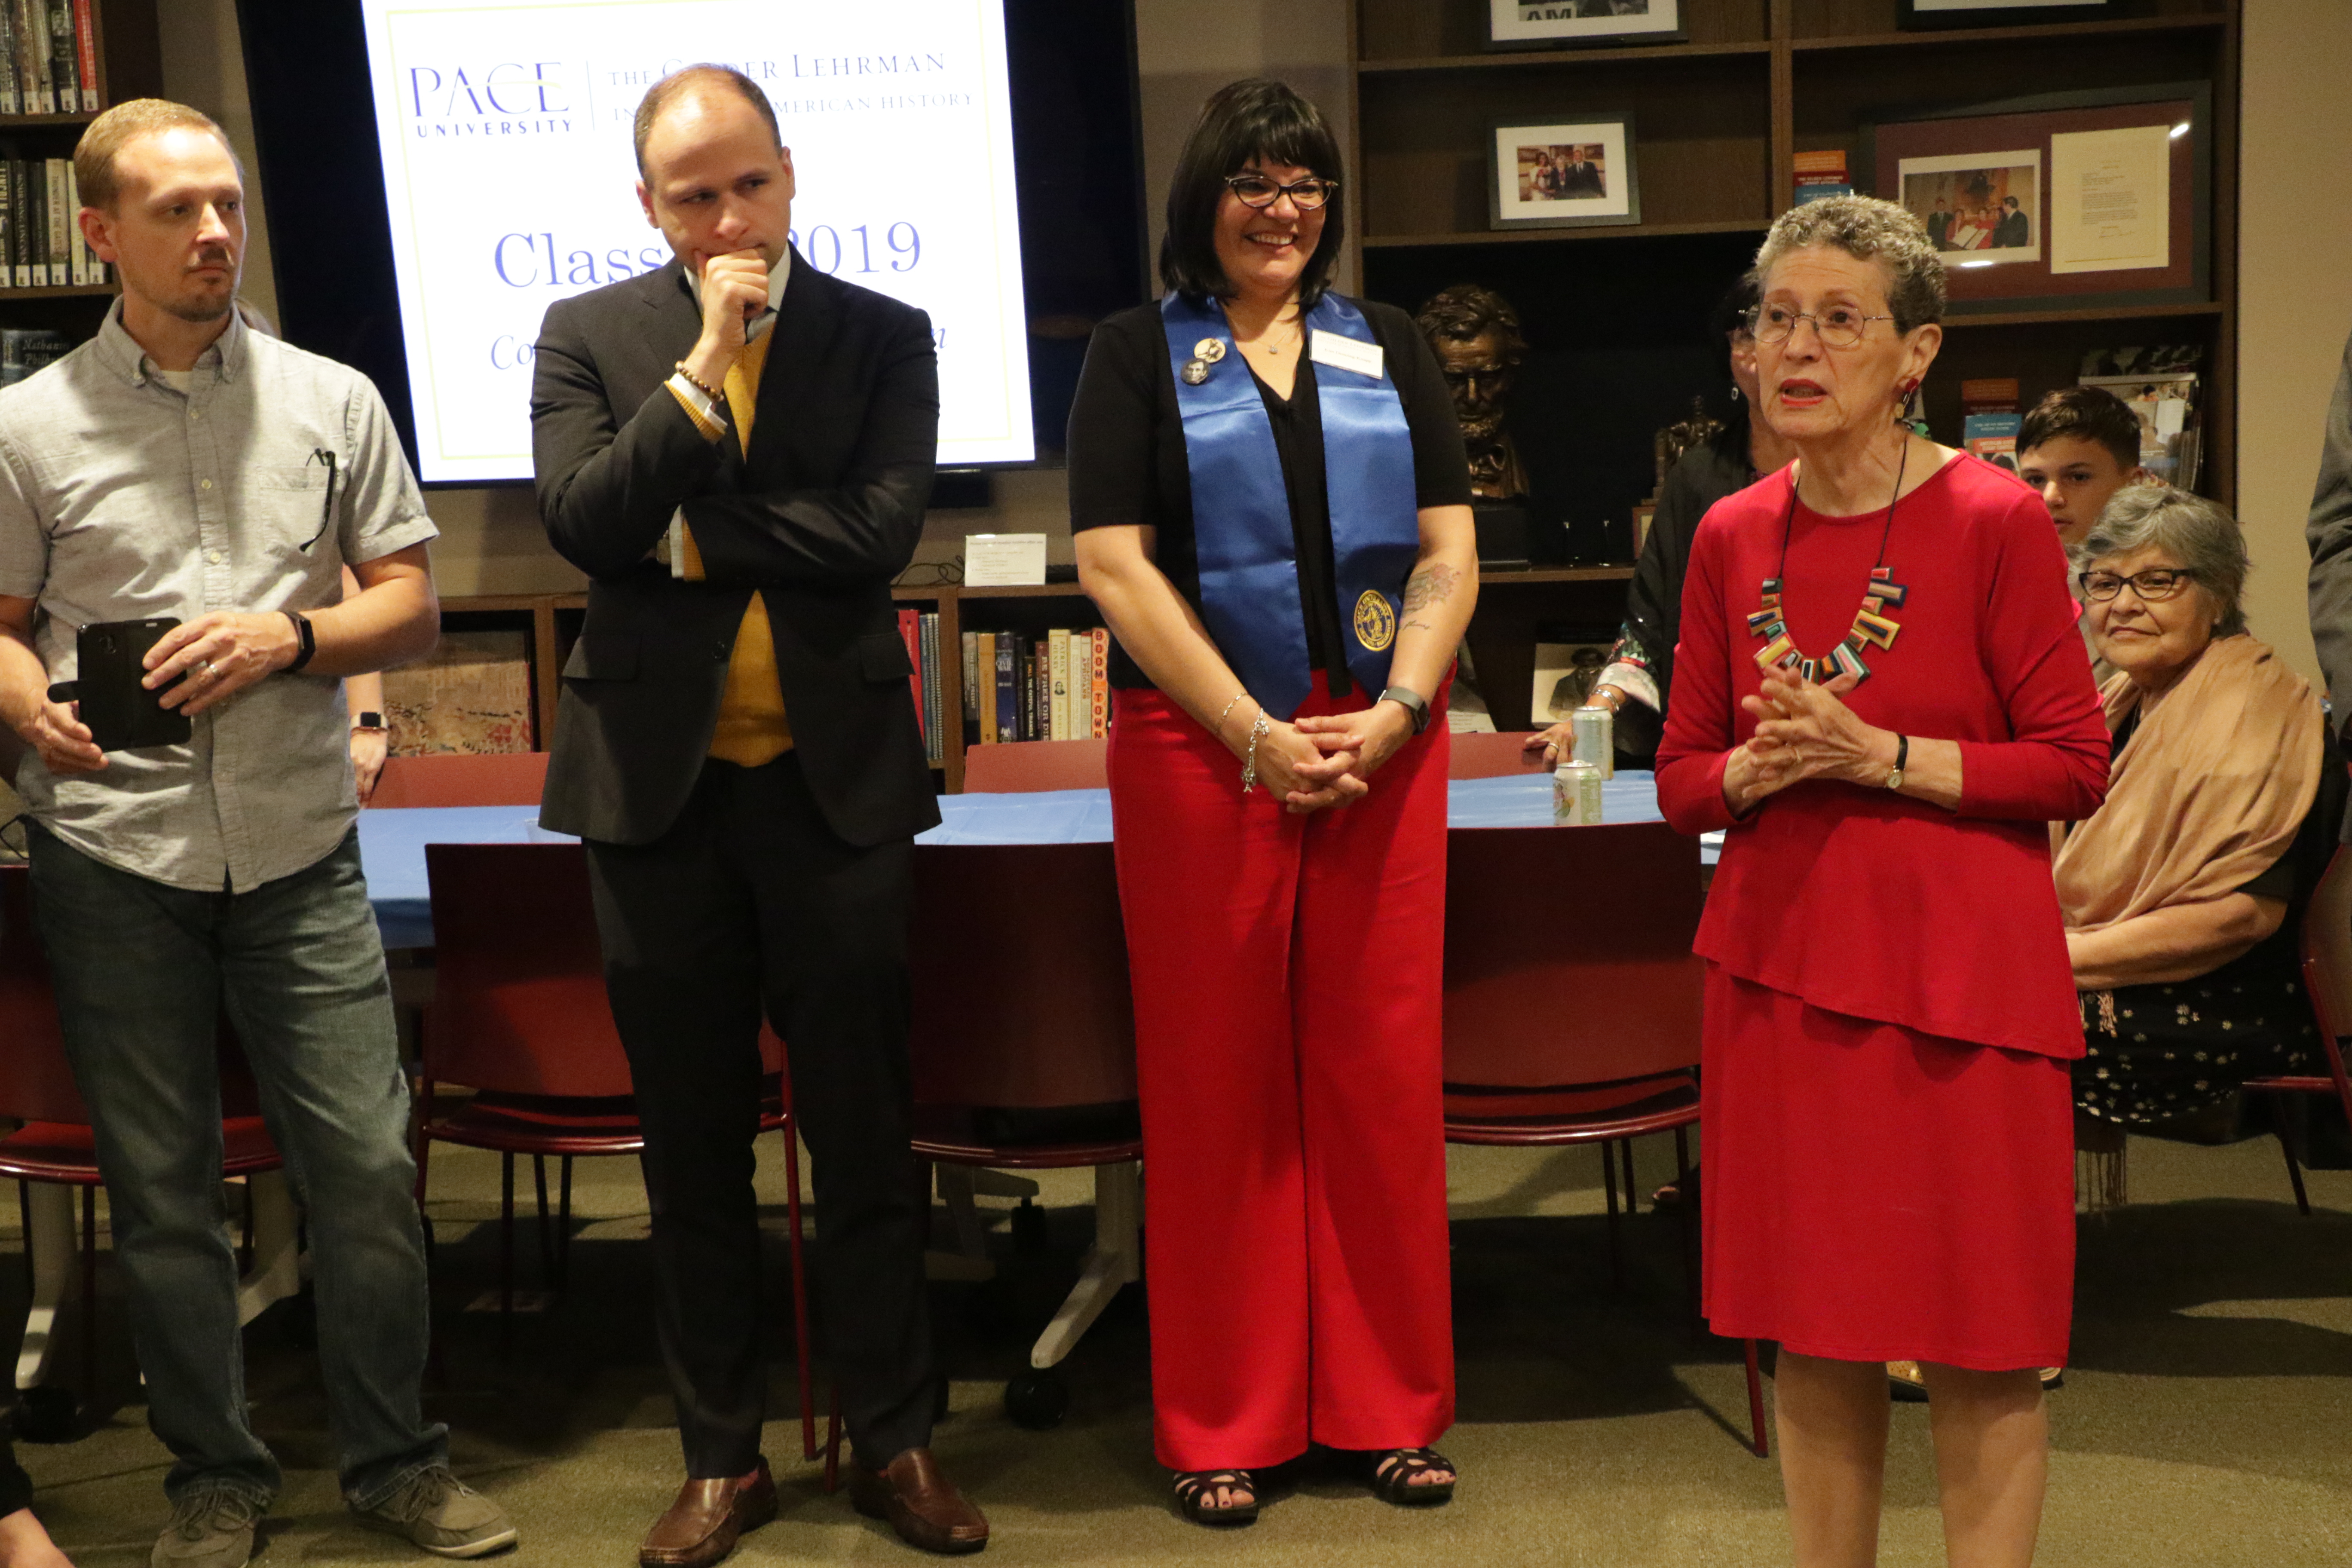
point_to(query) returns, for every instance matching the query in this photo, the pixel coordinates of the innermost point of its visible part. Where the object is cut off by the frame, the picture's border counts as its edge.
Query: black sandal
(1195, 1490)
(1393, 1474)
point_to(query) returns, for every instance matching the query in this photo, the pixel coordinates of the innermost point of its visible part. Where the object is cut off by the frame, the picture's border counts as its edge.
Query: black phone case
(122, 715)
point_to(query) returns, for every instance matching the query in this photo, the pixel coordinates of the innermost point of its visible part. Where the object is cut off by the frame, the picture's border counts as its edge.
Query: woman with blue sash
(1272, 511)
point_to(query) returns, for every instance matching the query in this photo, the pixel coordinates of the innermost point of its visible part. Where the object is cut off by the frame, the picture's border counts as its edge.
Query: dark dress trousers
(724, 891)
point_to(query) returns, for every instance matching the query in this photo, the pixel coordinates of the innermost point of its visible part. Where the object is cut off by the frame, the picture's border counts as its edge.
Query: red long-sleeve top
(1858, 899)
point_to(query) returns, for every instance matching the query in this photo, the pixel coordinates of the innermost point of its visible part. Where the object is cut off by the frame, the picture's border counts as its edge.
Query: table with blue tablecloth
(392, 842)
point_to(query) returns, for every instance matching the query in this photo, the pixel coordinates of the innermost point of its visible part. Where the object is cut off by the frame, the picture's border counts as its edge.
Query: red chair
(56, 1150)
(2326, 936)
(500, 778)
(1486, 756)
(518, 1016)
(1023, 1036)
(1557, 1037)
(1021, 765)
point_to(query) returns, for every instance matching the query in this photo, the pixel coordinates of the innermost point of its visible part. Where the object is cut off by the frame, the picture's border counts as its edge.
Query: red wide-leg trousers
(1288, 976)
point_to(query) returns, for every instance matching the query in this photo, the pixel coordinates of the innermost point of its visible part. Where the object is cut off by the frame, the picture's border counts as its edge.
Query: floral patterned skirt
(2156, 1052)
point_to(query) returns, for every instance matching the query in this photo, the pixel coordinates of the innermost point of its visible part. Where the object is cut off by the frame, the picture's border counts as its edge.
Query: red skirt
(1875, 1194)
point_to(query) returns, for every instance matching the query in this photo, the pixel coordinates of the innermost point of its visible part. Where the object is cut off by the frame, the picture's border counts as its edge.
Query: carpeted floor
(2203, 1423)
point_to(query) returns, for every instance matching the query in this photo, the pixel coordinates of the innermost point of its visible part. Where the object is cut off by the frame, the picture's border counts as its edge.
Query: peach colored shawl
(2206, 796)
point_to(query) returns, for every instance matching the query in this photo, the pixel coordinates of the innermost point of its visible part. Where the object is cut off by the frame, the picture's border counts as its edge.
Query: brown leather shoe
(703, 1524)
(921, 1503)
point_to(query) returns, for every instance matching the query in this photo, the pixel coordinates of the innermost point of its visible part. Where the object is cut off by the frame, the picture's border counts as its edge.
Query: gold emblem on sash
(1375, 622)
(1209, 349)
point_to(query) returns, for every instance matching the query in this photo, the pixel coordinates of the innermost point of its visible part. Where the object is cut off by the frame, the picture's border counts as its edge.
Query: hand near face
(734, 290)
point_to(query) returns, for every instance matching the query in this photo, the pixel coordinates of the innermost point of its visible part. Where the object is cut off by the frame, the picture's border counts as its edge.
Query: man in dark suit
(1939, 226)
(2012, 232)
(737, 450)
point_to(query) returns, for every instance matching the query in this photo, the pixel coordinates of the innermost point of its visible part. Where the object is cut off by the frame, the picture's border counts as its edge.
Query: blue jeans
(142, 972)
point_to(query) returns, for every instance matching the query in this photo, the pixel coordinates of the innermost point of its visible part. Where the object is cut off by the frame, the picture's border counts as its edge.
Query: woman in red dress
(1881, 695)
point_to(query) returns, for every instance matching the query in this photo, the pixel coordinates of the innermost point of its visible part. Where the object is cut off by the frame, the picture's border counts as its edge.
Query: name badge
(1342, 352)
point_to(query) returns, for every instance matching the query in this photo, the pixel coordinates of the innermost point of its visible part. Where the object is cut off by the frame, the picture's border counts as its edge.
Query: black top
(1653, 600)
(1128, 464)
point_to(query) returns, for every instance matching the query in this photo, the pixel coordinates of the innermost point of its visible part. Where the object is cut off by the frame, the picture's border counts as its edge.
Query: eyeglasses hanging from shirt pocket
(319, 474)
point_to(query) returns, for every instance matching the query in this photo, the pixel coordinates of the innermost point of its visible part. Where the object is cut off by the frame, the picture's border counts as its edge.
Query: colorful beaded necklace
(1872, 624)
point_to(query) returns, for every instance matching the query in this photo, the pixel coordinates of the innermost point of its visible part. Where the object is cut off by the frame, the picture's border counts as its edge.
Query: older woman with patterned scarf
(2221, 811)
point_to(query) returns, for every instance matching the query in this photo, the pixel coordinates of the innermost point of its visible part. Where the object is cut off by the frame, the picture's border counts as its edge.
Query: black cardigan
(1128, 463)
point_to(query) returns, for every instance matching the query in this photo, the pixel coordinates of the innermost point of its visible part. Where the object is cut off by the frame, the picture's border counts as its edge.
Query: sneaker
(444, 1515)
(212, 1527)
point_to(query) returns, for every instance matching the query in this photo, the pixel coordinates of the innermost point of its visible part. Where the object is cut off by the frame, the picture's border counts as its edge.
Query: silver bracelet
(1228, 710)
(1249, 763)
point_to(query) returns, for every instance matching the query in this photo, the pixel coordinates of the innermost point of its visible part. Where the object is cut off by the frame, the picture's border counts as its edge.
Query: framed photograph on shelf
(1917, 14)
(1576, 175)
(2100, 197)
(1550, 24)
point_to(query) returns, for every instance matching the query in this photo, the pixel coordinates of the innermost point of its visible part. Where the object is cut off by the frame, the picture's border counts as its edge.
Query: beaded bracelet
(718, 399)
(1249, 763)
(1227, 711)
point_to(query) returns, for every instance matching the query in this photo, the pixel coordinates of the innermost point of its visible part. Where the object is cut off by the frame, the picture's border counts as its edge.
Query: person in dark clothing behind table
(1272, 508)
(1642, 666)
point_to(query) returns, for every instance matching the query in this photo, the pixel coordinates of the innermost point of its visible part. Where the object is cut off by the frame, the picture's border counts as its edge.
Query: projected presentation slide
(512, 184)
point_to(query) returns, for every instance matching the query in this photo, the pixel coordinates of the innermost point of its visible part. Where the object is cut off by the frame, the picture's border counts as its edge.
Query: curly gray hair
(2205, 540)
(1867, 229)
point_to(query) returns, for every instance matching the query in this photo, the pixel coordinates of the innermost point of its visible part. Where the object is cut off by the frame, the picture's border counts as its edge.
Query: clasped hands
(1325, 759)
(1803, 730)
(219, 655)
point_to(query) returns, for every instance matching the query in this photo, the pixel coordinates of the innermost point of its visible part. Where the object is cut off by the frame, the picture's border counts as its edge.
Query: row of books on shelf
(49, 51)
(41, 242)
(1049, 686)
(919, 629)
(2159, 384)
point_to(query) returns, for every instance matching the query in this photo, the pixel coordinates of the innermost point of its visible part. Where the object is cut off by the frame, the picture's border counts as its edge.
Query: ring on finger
(202, 666)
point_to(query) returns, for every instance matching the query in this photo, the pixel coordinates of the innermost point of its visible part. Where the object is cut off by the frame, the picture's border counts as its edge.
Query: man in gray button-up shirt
(186, 466)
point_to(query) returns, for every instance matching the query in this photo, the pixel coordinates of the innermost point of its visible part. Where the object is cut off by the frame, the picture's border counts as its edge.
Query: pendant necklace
(1872, 624)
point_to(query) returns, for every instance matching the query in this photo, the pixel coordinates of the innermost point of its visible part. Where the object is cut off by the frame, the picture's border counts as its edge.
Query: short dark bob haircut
(1257, 117)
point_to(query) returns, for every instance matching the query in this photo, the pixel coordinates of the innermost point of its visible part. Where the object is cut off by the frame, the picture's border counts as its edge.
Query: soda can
(1575, 795)
(1596, 742)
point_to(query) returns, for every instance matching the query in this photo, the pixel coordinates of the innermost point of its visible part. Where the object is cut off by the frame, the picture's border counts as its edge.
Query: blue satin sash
(1246, 550)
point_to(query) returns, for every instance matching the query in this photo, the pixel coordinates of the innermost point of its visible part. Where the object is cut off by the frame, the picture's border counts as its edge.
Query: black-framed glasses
(2151, 587)
(1262, 191)
(1839, 327)
(326, 507)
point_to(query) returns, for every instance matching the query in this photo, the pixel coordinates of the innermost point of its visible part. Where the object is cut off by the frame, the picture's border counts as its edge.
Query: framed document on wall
(2100, 197)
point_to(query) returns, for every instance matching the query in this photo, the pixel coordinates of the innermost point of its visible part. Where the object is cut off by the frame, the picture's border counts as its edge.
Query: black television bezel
(309, 87)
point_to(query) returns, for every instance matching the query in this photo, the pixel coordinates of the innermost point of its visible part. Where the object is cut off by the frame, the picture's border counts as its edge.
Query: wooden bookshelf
(128, 64)
(1511, 605)
(1615, 318)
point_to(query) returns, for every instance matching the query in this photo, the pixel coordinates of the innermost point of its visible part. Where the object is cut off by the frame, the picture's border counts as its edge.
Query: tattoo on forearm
(1432, 585)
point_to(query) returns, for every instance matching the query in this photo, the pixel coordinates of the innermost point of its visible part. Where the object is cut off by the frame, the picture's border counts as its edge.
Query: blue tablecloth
(392, 842)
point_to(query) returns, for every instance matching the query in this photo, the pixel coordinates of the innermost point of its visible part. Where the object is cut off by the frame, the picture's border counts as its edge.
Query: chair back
(1487, 756)
(2326, 941)
(498, 778)
(35, 1084)
(1537, 997)
(1036, 764)
(518, 1004)
(36, 1081)
(1020, 993)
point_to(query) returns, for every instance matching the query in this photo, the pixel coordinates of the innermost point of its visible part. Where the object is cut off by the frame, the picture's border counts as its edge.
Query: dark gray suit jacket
(818, 518)
(2329, 533)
